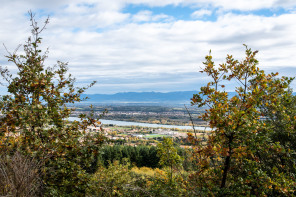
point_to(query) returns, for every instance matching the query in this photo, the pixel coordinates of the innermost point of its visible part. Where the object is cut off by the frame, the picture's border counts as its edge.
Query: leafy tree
(35, 119)
(231, 162)
(168, 155)
(280, 126)
(281, 118)
(111, 181)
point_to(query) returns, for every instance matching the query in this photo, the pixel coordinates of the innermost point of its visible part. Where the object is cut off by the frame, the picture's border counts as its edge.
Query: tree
(35, 119)
(112, 181)
(231, 162)
(168, 155)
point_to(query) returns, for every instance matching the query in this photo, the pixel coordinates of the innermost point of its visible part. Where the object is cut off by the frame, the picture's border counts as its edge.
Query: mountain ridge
(177, 97)
(181, 97)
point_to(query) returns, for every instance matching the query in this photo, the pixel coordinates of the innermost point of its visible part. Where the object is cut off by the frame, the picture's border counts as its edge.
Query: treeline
(140, 156)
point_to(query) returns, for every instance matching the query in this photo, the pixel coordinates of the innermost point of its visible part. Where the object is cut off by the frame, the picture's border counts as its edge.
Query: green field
(155, 135)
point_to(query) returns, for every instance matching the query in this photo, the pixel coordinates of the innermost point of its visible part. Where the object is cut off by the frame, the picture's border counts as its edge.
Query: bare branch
(191, 121)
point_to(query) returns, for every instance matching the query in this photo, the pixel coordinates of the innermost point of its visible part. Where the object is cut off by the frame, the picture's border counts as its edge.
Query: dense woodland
(250, 152)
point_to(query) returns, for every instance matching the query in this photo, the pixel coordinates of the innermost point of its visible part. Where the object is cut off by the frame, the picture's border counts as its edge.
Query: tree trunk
(227, 163)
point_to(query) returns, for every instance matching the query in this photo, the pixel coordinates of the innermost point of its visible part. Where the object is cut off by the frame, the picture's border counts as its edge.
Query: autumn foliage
(242, 155)
(34, 120)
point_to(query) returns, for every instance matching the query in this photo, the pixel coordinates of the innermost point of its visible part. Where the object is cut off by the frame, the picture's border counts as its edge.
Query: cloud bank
(149, 45)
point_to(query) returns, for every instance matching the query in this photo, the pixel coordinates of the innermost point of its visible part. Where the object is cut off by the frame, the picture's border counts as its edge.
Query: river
(127, 123)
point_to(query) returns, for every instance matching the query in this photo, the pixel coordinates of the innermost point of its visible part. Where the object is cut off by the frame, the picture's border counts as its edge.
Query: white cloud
(142, 16)
(201, 13)
(111, 46)
(227, 4)
(243, 5)
(148, 16)
(224, 4)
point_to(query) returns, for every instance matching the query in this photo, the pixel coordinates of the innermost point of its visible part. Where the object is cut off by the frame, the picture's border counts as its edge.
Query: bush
(20, 176)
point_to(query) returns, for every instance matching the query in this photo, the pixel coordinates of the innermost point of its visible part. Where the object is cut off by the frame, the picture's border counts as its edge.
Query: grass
(153, 136)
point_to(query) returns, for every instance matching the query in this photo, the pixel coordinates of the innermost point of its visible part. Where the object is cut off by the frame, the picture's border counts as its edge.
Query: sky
(152, 45)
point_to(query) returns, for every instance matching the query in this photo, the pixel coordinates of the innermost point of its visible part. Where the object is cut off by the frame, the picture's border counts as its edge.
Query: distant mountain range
(169, 98)
(182, 97)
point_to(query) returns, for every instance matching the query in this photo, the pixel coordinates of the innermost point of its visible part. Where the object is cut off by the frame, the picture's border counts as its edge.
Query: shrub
(20, 176)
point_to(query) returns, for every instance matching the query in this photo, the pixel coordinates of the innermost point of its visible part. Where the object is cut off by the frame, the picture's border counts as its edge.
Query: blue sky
(152, 45)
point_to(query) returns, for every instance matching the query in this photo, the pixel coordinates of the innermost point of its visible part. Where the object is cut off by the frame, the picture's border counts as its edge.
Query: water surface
(141, 124)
